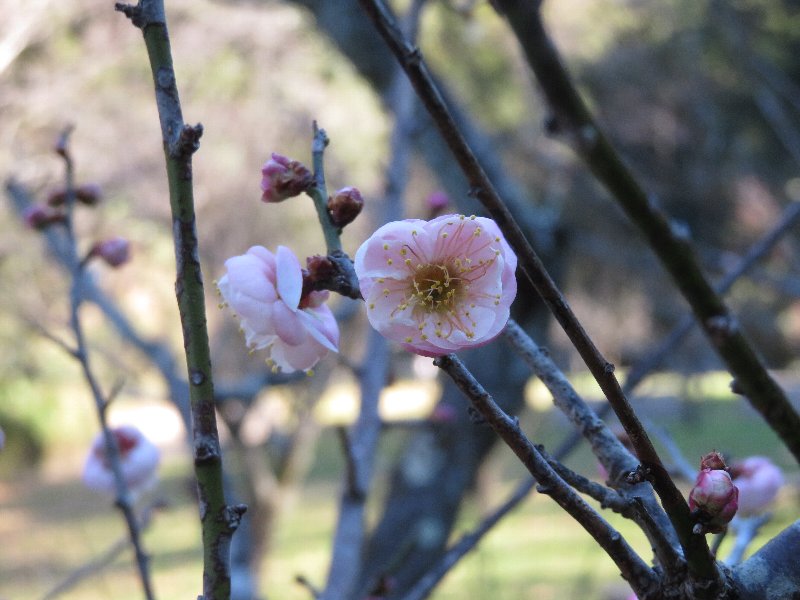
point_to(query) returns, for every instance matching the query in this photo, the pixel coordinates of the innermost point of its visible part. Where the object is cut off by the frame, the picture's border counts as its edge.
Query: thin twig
(670, 246)
(180, 141)
(426, 584)
(746, 529)
(319, 192)
(97, 564)
(81, 353)
(633, 569)
(361, 443)
(674, 504)
(608, 449)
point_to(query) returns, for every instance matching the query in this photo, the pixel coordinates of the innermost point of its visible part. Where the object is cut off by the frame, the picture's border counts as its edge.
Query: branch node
(187, 143)
(639, 475)
(143, 14)
(233, 516)
(721, 327)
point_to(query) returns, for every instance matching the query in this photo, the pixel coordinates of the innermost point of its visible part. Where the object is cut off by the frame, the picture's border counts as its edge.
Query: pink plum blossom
(139, 460)
(758, 480)
(438, 286)
(283, 178)
(266, 291)
(713, 499)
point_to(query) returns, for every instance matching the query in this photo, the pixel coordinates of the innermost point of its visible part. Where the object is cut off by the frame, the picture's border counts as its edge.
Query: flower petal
(288, 325)
(289, 277)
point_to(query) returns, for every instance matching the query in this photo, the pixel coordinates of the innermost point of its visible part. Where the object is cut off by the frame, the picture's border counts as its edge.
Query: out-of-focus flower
(114, 251)
(344, 206)
(713, 500)
(40, 216)
(438, 286)
(2, 439)
(758, 480)
(266, 291)
(138, 457)
(437, 203)
(283, 178)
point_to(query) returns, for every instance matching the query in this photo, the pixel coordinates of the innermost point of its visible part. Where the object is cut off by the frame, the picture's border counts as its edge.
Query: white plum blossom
(265, 290)
(138, 456)
(438, 286)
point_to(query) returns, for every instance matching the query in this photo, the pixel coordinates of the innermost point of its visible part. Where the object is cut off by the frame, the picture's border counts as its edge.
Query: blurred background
(701, 98)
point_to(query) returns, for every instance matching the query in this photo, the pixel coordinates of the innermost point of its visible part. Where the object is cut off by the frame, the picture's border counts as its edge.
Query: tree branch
(410, 58)
(633, 569)
(573, 117)
(218, 520)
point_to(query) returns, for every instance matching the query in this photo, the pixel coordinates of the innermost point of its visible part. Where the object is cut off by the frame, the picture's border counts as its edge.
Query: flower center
(434, 289)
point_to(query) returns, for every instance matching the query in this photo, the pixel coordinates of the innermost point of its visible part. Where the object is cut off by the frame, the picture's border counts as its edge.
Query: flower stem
(319, 192)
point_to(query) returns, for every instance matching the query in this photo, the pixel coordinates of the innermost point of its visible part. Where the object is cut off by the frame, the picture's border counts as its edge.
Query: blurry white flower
(139, 460)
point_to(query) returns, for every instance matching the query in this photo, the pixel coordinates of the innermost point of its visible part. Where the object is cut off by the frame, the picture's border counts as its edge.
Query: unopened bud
(713, 500)
(114, 251)
(39, 216)
(344, 206)
(437, 203)
(283, 178)
(713, 460)
(88, 193)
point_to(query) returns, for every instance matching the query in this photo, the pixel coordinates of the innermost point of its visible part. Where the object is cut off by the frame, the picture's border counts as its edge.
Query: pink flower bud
(759, 481)
(283, 178)
(114, 251)
(437, 203)
(713, 460)
(713, 500)
(344, 206)
(88, 193)
(138, 459)
(39, 216)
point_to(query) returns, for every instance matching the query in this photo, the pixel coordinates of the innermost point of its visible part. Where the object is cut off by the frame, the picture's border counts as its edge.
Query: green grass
(50, 527)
